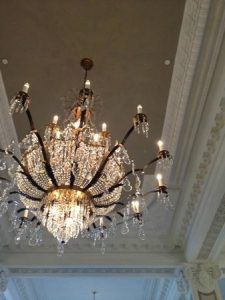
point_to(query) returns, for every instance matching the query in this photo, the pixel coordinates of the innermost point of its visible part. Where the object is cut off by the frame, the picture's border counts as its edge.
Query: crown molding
(16, 272)
(214, 241)
(189, 45)
(202, 125)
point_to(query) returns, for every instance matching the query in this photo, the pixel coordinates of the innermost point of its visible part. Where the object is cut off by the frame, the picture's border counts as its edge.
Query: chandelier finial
(87, 64)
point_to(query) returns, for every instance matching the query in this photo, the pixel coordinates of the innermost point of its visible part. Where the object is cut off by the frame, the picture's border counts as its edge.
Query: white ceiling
(128, 40)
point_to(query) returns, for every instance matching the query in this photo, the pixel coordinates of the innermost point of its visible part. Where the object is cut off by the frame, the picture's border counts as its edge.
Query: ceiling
(129, 42)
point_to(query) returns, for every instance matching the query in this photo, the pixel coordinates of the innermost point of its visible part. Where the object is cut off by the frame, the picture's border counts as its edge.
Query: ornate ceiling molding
(70, 271)
(202, 173)
(213, 233)
(193, 146)
(203, 277)
(189, 44)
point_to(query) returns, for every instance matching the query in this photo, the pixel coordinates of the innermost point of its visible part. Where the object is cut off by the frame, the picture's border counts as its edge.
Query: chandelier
(71, 180)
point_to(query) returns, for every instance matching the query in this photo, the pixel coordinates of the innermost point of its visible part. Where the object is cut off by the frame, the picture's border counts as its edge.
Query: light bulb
(159, 178)
(104, 127)
(135, 206)
(139, 109)
(25, 214)
(76, 124)
(160, 144)
(96, 137)
(87, 84)
(25, 87)
(55, 119)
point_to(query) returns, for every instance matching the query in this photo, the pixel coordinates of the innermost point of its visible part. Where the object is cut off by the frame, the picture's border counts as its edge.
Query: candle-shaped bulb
(135, 206)
(104, 127)
(55, 119)
(101, 221)
(76, 124)
(139, 109)
(160, 144)
(96, 137)
(25, 214)
(87, 84)
(58, 134)
(25, 88)
(159, 178)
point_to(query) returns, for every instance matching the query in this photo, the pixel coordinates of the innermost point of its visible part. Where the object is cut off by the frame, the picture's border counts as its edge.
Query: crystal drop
(33, 240)
(103, 248)
(2, 165)
(18, 236)
(3, 208)
(124, 228)
(127, 185)
(141, 233)
(60, 249)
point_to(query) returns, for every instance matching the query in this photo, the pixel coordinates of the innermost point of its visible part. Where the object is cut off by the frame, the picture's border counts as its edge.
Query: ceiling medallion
(71, 180)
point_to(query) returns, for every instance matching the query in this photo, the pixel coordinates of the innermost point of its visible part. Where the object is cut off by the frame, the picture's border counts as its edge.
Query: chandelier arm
(21, 209)
(108, 205)
(108, 218)
(127, 135)
(118, 183)
(72, 179)
(150, 163)
(120, 214)
(29, 177)
(82, 118)
(26, 196)
(33, 182)
(151, 192)
(30, 119)
(14, 157)
(48, 167)
(4, 179)
(101, 168)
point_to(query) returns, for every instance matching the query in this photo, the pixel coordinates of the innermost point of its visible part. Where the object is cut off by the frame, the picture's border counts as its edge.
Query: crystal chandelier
(71, 180)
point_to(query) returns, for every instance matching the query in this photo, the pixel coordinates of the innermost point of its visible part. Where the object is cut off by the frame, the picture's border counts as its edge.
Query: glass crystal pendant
(71, 180)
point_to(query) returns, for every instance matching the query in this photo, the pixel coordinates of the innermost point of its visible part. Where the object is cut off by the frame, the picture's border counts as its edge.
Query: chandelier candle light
(71, 181)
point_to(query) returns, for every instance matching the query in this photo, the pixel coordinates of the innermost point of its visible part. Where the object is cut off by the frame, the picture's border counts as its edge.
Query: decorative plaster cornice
(202, 276)
(54, 271)
(206, 70)
(189, 44)
(213, 233)
(202, 173)
(182, 283)
(3, 280)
